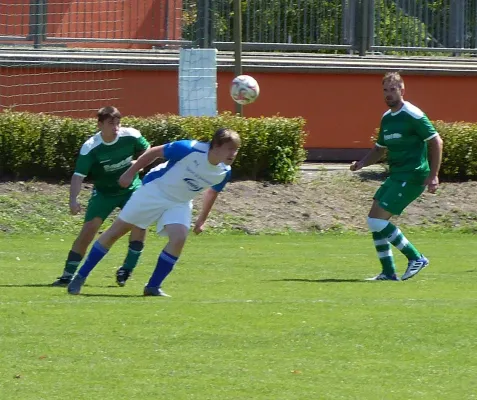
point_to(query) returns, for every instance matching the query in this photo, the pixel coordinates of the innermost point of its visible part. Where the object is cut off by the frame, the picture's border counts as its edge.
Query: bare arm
(371, 158)
(435, 158)
(139, 155)
(75, 189)
(210, 195)
(148, 157)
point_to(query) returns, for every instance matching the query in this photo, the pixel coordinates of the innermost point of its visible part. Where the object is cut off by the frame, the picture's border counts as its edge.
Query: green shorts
(394, 196)
(100, 206)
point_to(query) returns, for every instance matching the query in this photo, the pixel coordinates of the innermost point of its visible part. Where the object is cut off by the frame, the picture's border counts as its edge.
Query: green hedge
(459, 156)
(43, 146)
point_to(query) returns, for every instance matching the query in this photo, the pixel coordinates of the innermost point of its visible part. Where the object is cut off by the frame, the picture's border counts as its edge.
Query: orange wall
(127, 19)
(14, 18)
(342, 110)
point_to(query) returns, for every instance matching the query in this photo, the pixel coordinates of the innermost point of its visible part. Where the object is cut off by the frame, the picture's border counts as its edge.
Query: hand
(126, 179)
(356, 166)
(75, 207)
(199, 227)
(432, 182)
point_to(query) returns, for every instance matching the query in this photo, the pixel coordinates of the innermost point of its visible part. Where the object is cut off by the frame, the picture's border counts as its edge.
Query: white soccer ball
(244, 89)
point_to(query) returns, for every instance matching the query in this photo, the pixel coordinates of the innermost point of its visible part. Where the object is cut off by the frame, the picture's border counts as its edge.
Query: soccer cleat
(76, 284)
(154, 291)
(383, 277)
(122, 275)
(414, 266)
(62, 281)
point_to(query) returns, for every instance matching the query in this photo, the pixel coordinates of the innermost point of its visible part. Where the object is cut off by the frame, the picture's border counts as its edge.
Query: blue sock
(95, 255)
(164, 266)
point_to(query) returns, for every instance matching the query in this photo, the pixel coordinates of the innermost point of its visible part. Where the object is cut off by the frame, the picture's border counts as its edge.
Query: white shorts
(148, 205)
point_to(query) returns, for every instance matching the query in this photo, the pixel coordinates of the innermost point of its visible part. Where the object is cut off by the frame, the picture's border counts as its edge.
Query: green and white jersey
(405, 134)
(106, 162)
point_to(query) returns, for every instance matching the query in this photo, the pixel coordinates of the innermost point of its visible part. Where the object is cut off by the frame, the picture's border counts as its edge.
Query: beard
(392, 103)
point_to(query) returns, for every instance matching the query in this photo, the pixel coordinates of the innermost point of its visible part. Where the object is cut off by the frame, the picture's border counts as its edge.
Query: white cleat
(415, 266)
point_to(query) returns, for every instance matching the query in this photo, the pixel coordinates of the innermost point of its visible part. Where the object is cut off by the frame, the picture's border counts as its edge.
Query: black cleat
(122, 275)
(62, 281)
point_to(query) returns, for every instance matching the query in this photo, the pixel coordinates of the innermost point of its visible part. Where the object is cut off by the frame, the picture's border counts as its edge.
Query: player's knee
(376, 224)
(90, 229)
(136, 245)
(84, 238)
(178, 239)
(114, 235)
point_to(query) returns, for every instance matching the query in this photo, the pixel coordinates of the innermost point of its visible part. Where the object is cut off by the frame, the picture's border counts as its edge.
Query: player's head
(109, 120)
(224, 146)
(393, 89)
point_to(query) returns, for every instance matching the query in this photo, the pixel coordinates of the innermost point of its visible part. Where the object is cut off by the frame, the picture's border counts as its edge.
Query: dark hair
(224, 135)
(108, 112)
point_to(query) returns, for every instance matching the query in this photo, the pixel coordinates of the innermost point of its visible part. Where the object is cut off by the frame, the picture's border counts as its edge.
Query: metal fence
(430, 25)
(386, 26)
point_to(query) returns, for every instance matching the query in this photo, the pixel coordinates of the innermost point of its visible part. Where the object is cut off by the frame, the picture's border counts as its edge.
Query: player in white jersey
(166, 197)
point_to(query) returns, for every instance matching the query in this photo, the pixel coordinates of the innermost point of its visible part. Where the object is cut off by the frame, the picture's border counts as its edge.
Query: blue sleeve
(176, 151)
(220, 186)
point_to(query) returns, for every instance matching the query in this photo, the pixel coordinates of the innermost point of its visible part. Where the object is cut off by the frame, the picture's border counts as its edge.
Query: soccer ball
(244, 89)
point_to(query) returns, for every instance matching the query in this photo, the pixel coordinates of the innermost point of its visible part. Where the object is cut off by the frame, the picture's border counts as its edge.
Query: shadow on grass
(49, 285)
(327, 280)
(111, 295)
(33, 285)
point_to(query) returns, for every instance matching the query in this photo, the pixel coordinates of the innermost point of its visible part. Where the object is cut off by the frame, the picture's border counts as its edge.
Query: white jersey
(187, 172)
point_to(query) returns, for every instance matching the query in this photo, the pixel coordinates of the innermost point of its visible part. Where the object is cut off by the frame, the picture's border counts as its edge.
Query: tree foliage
(409, 23)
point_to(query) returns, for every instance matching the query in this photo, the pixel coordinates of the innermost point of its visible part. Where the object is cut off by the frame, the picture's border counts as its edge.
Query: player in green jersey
(414, 151)
(104, 157)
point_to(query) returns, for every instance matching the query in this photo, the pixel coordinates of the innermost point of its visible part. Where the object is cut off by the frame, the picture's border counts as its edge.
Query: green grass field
(251, 317)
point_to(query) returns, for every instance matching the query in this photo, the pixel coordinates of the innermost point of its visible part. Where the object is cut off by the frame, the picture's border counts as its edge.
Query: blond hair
(394, 77)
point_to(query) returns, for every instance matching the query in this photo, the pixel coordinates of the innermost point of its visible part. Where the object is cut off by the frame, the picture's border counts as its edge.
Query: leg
(378, 212)
(86, 236)
(99, 208)
(78, 250)
(391, 199)
(177, 234)
(378, 220)
(97, 252)
(136, 244)
(177, 237)
(115, 232)
(416, 261)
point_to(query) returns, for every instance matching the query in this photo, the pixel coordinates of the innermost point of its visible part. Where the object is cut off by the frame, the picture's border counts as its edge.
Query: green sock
(394, 235)
(134, 252)
(385, 254)
(72, 263)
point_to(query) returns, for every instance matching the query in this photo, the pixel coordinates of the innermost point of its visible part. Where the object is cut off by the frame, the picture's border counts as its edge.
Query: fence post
(349, 22)
(371, 23)
(474, 32)
(363, 27)
(37, 24)
(238, 47)
(457, 21)
(204, 29)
